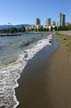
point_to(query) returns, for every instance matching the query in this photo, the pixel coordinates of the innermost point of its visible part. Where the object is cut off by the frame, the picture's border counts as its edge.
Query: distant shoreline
(10, 34)
(19, 33)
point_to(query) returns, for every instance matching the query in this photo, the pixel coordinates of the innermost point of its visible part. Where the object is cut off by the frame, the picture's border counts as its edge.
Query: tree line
(23, 29)
(13, 30)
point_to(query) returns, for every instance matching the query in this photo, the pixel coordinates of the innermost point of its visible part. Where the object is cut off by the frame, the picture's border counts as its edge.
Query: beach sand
(58, 79)
(46, 80)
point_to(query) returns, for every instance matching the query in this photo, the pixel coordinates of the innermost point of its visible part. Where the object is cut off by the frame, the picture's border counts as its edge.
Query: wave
(11, 73)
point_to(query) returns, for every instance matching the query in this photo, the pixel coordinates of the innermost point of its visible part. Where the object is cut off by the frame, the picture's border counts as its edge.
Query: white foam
(10, 74)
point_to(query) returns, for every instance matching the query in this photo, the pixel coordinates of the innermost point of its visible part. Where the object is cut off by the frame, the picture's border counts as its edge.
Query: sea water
(14, 56)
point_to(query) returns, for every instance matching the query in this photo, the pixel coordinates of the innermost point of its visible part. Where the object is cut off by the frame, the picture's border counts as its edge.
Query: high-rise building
(62, 19)
(48, 22)
(54, 23)
(37, 21)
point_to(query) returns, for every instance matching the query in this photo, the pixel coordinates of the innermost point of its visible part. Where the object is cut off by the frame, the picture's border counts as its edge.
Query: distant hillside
(11, 26)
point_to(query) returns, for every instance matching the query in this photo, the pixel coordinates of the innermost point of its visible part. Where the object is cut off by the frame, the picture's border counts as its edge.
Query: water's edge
(9, 75)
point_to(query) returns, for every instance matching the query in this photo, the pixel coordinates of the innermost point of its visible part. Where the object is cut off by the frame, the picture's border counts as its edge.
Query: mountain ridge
(16, 26)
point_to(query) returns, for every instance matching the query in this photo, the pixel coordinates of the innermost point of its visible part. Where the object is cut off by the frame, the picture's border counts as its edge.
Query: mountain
(21, 25)
(16, 26)
(5, 26)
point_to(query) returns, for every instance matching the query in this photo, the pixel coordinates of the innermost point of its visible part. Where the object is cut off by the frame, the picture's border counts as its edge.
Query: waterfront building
(62, 19)
(48, 22)
(67, 24)
(37, 23)
(54, 23)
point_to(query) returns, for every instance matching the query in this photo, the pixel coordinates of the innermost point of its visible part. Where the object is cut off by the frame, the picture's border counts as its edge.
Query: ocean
(15, 52)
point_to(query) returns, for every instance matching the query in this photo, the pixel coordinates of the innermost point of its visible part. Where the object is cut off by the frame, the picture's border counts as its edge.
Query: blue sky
(26, 11)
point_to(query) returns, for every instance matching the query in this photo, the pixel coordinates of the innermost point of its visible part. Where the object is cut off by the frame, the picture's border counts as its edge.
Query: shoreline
(31, 79)
(11, 73)
(48, 85)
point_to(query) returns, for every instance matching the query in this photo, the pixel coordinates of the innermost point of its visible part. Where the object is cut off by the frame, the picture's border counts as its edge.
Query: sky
(26, 11)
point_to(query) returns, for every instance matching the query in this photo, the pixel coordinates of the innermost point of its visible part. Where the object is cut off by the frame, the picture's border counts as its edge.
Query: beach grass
(64, 39)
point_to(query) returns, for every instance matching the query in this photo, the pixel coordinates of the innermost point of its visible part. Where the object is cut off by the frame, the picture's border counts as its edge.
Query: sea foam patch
(11, 73)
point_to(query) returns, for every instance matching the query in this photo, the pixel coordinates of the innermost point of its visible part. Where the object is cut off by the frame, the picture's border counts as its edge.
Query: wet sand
(31, 92)
(46, 80)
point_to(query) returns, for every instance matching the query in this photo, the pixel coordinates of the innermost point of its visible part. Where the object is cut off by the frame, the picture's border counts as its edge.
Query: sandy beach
(31, 91)
(46, 80)
(58, 79)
